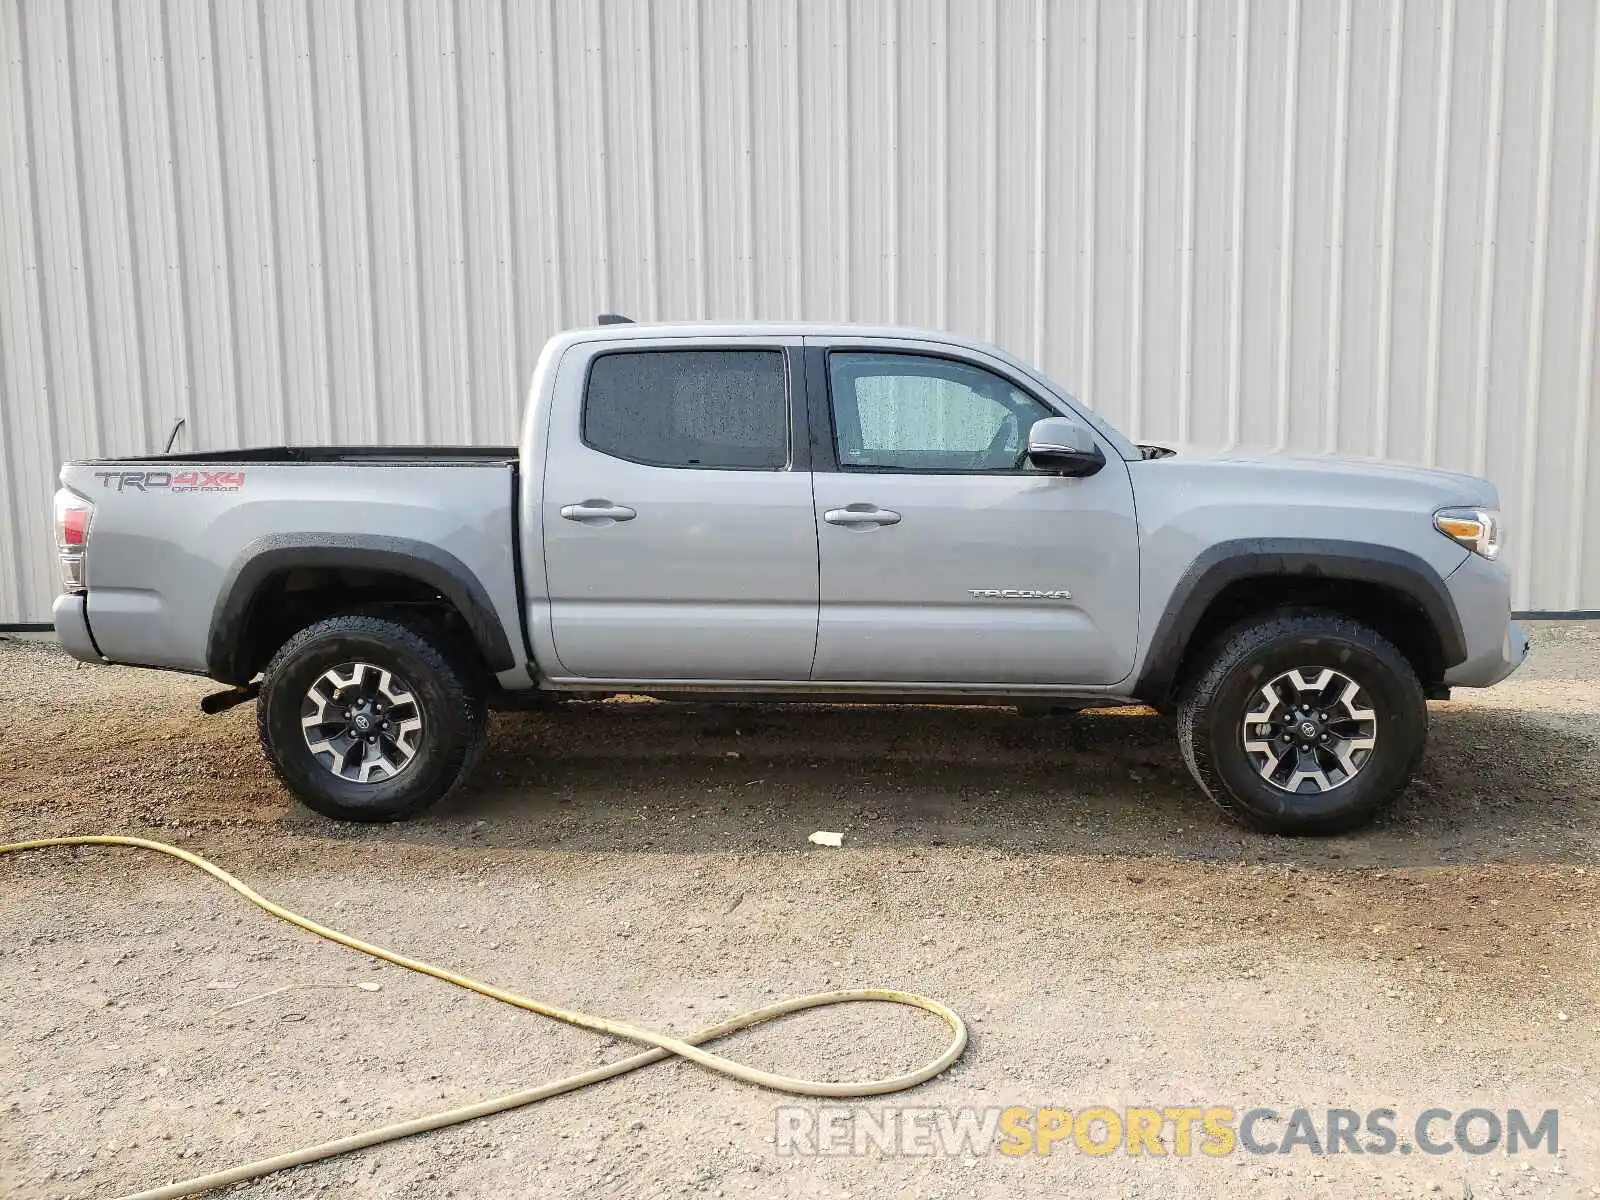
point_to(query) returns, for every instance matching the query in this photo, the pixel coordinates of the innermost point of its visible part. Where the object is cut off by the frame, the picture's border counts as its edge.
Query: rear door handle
(861, 516)
(598, 512)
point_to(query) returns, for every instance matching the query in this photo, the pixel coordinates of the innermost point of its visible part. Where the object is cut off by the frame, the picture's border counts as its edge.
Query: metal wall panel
(1369, 226)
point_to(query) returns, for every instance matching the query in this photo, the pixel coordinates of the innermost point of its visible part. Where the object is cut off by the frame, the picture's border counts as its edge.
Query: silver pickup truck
(803, 512)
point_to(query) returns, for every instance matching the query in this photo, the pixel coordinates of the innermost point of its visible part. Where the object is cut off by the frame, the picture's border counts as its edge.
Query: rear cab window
(723, 409)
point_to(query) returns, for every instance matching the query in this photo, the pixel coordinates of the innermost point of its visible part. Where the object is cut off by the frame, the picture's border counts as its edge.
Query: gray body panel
(898, 601)
(72, 627)
(735, 580)
(160, 558)
(1187, 505)
(715, 576)
(1496, 645)
(916, 602)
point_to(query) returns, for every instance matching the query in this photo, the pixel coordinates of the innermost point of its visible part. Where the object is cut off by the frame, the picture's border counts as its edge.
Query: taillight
(73, 514)
(74, 526)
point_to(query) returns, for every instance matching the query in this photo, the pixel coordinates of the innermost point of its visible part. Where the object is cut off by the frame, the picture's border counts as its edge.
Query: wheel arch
(392, 568)
(1397, 592)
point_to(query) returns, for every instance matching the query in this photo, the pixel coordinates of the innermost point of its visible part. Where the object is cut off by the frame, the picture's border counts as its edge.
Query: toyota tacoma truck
(805, 512)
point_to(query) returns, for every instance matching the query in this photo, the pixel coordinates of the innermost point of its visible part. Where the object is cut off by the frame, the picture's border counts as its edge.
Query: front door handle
(597, 512)
(861, 516)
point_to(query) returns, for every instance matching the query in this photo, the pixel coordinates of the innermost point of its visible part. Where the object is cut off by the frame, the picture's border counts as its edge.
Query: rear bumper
(1496, 645)
(72, 627)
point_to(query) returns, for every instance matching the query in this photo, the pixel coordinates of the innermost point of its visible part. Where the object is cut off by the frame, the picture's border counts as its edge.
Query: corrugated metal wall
(1356, 225)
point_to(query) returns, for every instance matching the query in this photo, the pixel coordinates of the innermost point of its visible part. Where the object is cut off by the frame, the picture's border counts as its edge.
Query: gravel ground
(1058, 880)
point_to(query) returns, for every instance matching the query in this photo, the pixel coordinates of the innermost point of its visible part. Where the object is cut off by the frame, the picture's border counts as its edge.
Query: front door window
(913, 412)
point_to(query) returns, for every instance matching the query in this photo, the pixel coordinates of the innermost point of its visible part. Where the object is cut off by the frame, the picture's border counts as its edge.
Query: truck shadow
(1496, 786)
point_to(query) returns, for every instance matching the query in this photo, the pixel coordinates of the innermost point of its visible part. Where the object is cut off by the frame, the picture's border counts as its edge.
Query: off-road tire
(1212, 707)
(454, 717)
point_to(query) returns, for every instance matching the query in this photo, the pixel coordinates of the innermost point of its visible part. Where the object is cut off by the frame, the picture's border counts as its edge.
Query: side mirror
(1065, 447)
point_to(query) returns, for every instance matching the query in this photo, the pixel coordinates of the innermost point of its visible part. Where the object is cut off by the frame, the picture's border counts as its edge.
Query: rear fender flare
(427, 564)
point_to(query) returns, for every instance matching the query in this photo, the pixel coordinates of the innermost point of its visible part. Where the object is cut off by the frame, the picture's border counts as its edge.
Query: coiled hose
(662, 1045)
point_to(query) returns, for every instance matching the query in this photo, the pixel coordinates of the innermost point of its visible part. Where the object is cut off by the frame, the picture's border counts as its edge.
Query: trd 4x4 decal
(172, 481)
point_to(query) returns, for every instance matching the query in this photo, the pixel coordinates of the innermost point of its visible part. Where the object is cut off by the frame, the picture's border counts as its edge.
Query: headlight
(1478, 529)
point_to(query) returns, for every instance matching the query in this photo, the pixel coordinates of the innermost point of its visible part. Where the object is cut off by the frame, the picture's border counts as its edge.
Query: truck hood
(1450, 487)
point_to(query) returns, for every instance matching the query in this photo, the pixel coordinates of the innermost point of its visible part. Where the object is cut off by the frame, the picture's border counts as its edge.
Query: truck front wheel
(365, 718)
(1303, 723)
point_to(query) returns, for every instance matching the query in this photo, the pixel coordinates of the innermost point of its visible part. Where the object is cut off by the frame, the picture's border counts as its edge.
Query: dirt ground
(1058, 880)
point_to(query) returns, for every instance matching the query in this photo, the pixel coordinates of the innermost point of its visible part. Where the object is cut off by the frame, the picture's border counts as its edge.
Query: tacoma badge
(1021, 593)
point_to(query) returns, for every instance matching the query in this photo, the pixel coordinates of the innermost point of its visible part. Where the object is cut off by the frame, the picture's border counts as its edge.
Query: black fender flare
(1224, 563)
(267, 556)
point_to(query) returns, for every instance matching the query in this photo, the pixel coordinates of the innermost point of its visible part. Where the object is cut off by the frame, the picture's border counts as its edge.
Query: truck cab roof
(629, 330)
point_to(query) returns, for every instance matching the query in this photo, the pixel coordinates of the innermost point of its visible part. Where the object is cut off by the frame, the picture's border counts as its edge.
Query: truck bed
(172, 536)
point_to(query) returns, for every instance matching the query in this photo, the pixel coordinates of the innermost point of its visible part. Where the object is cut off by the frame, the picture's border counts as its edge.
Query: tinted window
(909, 412)
(690, 408)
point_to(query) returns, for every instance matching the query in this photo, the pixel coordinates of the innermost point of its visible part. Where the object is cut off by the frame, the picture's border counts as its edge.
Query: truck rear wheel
(1303, 723)
(365, 718)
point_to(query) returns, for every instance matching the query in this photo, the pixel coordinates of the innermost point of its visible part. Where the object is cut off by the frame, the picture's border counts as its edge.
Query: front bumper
(1496, 645)
(1492, 666)
(71, 614)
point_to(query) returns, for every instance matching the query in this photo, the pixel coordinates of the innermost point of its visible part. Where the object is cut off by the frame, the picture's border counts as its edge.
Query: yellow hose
(663, 1045)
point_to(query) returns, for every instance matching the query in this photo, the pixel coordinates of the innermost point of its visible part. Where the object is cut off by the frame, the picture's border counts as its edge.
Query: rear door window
(700, 409)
